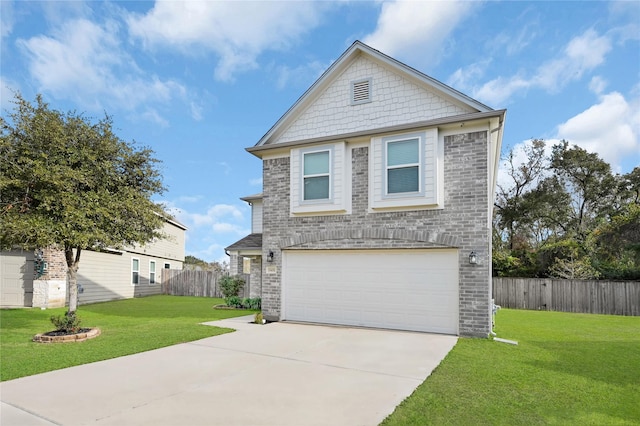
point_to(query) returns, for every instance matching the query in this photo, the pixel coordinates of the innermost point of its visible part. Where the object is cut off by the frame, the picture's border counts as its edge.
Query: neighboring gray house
(39, 278)
(378, 188)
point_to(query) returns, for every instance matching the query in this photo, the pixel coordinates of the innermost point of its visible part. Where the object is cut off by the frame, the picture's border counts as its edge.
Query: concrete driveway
(275, 374)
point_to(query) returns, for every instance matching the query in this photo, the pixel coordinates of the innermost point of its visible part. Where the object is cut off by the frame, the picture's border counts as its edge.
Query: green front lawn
(576, 369)
(567, 368)
(128, 326)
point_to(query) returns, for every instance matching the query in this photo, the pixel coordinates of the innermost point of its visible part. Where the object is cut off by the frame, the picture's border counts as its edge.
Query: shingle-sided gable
(366, 90)
(395, 100)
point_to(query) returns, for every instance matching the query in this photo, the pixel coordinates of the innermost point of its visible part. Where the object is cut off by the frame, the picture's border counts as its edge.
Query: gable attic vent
(361, 91)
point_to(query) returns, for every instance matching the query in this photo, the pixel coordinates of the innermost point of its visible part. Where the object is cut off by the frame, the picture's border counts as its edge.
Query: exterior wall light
(473, 258)
(270, 256)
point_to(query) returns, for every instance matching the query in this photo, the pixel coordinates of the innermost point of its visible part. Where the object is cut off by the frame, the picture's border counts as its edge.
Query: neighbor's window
(152, 272)
(135, 271)
(167, 266)
(403, 166)
(316, 176)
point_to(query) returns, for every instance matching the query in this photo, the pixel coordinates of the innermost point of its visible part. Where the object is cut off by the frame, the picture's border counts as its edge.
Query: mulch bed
(57, 336)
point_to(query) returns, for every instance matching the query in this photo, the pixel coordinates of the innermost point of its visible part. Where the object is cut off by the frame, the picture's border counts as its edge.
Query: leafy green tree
(589, 181)
(513, 212)
(566, 216)
(617, 243)
(68, 182)
(206, 266)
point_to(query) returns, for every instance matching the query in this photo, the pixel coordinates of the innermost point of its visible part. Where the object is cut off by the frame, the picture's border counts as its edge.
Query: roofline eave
(500, 113)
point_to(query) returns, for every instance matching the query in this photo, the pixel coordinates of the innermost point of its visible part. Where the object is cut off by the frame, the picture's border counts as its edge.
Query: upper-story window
(406, 171)
(316, 175)
(402, 166)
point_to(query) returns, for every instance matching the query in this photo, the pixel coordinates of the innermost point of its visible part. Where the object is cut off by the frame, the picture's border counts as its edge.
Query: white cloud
(256, 182)
(189, 199)
(582, 54)
(610, 128)
(464, 77)
(7, 90)
(238, 32)
(215, 214)
(229, 227)
(214, 228)
(513, 43)
(153, 116)
(210, 253)
(417, 29)
(303, 75)
(598, 84)
(196, 111)
(6, 18)
(85, 61)
(225, 167)
(497, 91)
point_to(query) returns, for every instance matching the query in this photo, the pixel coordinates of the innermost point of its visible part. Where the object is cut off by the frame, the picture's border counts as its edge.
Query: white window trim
(431, 194)
(421, 166)
(133, 270)
(339, 182)
(153, 273)
(330, 174)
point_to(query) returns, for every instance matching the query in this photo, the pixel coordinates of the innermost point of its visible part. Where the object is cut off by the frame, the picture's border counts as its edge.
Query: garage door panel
(398, 289)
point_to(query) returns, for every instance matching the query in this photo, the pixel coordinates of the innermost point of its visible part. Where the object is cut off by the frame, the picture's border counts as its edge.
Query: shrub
(230, 286)
(246, 303)
(68, 323)
(258, 318)
(253, 304)
(234, 301)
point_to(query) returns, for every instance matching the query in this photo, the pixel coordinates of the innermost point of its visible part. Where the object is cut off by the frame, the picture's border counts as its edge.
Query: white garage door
(16, 278)
(397, 289)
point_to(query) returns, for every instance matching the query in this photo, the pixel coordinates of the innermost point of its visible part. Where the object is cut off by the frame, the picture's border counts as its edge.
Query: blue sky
(200, 81)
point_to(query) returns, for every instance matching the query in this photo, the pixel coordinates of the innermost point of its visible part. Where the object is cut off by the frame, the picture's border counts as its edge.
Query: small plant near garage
(230, 286)
(246, 303)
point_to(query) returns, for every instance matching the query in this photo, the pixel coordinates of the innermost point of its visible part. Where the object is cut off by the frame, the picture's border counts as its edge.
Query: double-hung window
(405, 171)
(316, 175)
(402, 168)
(152, 272)
(135, 271)
(317, 179)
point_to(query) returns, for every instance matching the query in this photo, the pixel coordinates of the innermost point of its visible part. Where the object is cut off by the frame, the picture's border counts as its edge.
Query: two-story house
(39, 278)
(378, 188)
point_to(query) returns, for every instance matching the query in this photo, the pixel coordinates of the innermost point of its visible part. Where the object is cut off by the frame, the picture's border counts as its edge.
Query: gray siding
(171, 247)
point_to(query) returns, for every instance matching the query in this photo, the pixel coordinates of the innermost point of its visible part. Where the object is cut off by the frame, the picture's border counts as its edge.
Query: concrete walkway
(274, 374)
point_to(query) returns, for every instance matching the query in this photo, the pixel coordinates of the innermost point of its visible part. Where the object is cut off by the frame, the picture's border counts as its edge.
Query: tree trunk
(72, 277)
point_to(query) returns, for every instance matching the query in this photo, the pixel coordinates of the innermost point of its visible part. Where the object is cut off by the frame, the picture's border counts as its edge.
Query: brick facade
(56, 264)
(462, 224)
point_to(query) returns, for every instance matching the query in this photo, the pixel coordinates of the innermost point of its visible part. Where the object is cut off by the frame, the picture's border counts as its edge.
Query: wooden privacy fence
(592, 297)
(191, 283)
(186, 282)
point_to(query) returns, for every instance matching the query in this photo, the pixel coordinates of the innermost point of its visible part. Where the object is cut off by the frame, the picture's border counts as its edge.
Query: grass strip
(568, 369)
(128, 326)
